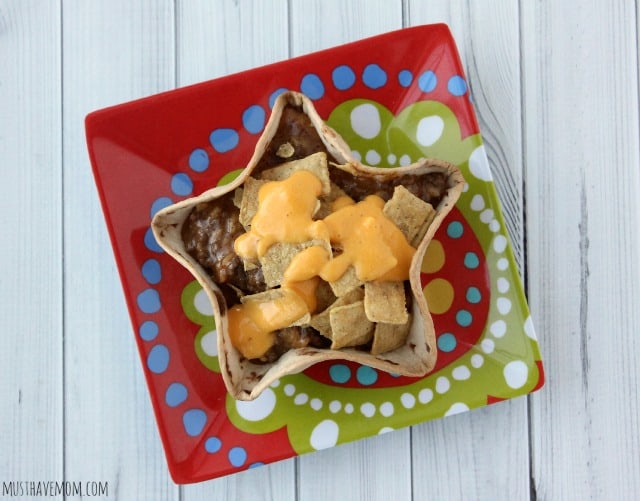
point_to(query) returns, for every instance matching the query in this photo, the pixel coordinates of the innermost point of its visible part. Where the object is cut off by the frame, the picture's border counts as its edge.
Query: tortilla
(271, 295)
(350, 326)
(249, 201)
(285, 150)
(316, 163)
(409, 213)
(388, 337)
(326, 201)
(385, 302)
(346, 283)
(294, 120)
(279, 256)
(321, 321)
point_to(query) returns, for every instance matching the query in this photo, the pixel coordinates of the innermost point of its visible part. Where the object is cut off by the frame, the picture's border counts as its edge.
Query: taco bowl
(380, 319)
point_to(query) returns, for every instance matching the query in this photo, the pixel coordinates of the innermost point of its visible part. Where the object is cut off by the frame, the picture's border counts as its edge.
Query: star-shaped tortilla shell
(295, 131)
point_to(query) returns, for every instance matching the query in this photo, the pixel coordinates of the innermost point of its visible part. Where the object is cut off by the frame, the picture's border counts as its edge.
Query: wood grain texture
(582, 157)
(481, 454)
(31, 411)
(489, 44)
(376, 468)
(215, 39)
(219, 38)
(321, 24)
(470, 451)
(556, 92)
(358, 470)
(110, 431)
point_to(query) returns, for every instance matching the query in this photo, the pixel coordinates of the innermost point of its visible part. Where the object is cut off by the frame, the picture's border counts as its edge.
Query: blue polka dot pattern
(199, 160)
(253, 119)
(343, 77)
(224, 140)
(256, 465)
(149, 301)
(274, 95)
(158, 359)
(427, 81)
(464, 318)
(176, 394)
(151, 271)
(312, 86)
(181, 184)
(374, 76)
(447, 342)
(159, 204)
(150, 242)
(339, 373)
(212, 445)
(366, 376)
(471, 260)
(149, 330)
(457, 85)
(193, 421)
(473, 295)
(455, 229)
(405, 77)
(237, 456)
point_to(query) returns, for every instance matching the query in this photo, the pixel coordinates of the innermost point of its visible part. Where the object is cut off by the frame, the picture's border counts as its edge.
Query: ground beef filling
(294, 337)
(208, 234)
(430, 187)
(296, 129)
(211, 228)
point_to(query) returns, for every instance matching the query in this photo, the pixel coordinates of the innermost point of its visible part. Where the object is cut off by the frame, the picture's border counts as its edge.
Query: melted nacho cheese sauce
(285, 214)
(365, 238)
(252, 325)
(211, 229)
(370, 242)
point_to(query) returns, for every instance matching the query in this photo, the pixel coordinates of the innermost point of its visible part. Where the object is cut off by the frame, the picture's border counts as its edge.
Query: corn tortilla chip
(285, 150)
(321, 321)
(385, 302)
(272, 295)
(409, 213)
(316, 163)
(346, 283)
(349, 326)
(279, 256)
(237, 197)
(249, 204)
(324, 296)
(387, 337)
(326, 201)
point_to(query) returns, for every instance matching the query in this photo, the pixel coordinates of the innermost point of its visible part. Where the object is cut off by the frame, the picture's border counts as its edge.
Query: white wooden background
(556, 88)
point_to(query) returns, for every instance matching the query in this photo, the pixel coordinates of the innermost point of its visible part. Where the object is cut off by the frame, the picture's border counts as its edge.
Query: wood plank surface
(470, 449)
(377, 468)
(110, 430)
(321, 24)
(555, 86)
(216, 39)
(219, 38)
(31, 408)
(582, 154)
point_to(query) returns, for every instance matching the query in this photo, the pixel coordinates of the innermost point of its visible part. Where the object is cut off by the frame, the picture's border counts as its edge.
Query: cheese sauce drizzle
(364, 237)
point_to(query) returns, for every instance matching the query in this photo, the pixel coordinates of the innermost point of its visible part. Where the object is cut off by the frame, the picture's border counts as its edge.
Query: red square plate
(394, 98)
